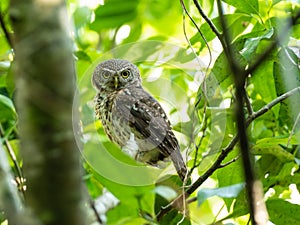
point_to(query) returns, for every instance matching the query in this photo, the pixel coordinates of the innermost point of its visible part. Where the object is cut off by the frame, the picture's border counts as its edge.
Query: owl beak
(116, 81)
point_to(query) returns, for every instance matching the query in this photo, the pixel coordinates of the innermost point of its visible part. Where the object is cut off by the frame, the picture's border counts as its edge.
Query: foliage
(150, 34)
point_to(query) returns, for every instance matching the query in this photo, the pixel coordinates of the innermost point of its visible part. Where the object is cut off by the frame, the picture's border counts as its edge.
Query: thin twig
(271, 104)
(229, 162)
(199, 31)
(191, 200)
(185, 11)
(226, 44)
(209, 22)
(195, 164)
(293, 129)
(203, 130)
(12, 155)
(248, 102)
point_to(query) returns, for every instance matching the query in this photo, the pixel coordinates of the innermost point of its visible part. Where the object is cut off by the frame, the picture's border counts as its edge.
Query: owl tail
(179, 164)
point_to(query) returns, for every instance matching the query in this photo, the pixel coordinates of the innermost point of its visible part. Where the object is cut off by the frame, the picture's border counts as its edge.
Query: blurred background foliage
(151, 34)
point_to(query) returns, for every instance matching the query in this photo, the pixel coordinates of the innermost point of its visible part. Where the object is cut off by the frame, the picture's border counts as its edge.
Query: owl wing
(149, 122)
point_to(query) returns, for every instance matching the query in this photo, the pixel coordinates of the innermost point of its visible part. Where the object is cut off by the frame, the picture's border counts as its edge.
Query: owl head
(115, 74)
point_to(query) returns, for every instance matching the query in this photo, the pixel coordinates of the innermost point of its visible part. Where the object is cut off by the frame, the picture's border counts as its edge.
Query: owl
(131, 117)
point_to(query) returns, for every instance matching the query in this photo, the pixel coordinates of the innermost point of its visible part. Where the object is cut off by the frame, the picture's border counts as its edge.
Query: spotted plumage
(131, 117)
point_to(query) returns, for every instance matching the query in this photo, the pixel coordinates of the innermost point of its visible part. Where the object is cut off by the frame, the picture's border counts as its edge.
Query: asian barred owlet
(131, 117)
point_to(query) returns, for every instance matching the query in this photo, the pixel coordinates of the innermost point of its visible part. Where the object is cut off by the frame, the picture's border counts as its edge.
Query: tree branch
(224, 153)
(209, 22)
(257, 208)
(270, 105)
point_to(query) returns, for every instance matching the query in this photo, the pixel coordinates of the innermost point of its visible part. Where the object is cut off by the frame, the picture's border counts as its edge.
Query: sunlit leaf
(221, 69)
(166, 192)
(114, 13)
(247, 6)
(224, 192)
(82, 16)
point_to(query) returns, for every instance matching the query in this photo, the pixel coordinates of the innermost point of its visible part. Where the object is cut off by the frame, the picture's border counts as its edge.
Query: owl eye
(105, 74)
(125, 73)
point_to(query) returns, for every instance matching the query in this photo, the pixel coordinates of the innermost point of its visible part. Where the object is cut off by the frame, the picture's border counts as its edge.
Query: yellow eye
(105, 74)
(125, 73)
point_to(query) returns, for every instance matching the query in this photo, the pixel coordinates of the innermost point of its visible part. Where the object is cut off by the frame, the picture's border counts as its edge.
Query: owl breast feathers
(131, 117)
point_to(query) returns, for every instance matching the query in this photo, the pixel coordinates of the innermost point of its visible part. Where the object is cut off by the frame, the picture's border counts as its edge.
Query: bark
(45, 87)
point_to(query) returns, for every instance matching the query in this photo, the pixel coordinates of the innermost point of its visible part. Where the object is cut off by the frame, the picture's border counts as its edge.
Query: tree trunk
(45, 81)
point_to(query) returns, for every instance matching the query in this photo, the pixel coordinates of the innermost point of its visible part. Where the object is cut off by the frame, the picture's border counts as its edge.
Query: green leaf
(124, 213)
(109, 8)
(262, 76)
(7, 109)
(223, 192)
(247, 6)
(276, 150)
(173, 218)
(273, 146)
(82, 55)
(251, 44)
(5, 48)
(282, 212)
(240, 207)
(159, 15)
(231, 174)
(166, 192)
(82, 16)
(269, 164)
(114, 13)
(287, 77)
(282, 140)
(221, 69)
(94, 186)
